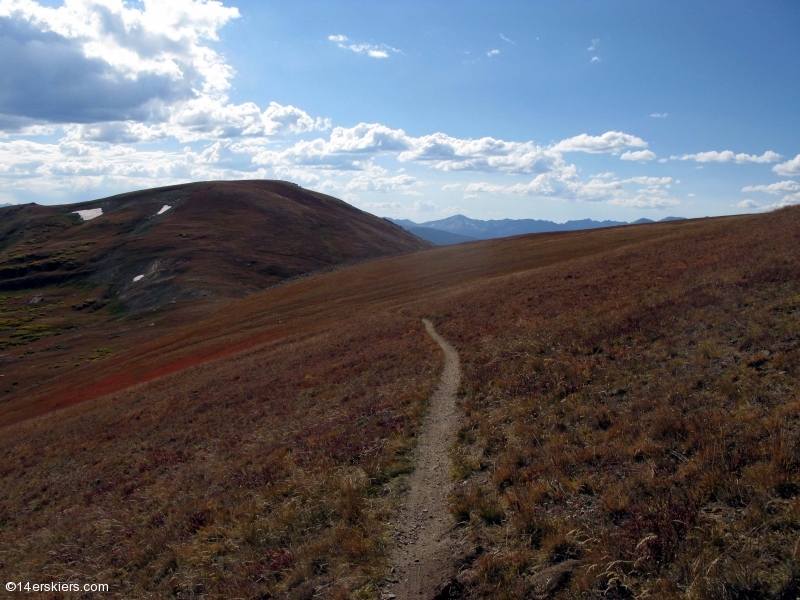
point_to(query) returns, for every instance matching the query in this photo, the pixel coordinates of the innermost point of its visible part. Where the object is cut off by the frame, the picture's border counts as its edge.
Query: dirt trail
(424, 556)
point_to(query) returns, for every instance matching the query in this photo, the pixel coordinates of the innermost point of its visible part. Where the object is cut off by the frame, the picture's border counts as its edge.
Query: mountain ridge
(497, 228)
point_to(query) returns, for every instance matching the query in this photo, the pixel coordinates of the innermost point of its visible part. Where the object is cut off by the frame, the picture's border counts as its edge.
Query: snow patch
(164, 209)
(137, 278)
(89, 214)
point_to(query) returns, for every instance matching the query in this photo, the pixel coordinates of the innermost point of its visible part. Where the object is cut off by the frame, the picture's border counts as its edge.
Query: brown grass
(632, 427)
(637, 414)
(262, 477)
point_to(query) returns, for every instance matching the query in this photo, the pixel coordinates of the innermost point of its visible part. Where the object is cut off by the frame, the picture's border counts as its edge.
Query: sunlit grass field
(631, 427)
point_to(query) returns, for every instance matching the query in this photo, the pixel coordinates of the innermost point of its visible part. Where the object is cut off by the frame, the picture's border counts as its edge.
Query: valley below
(627, 415)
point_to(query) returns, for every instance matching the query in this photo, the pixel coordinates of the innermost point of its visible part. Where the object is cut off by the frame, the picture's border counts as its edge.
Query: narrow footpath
(423, 559)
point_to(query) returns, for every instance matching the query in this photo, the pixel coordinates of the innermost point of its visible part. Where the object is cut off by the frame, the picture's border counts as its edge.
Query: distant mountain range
(458, 228)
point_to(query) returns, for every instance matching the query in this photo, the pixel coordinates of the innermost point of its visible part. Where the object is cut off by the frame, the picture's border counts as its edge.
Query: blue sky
(555, 110)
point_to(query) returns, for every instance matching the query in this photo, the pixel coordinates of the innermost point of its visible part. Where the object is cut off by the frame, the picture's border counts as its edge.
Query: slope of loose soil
(631, 427)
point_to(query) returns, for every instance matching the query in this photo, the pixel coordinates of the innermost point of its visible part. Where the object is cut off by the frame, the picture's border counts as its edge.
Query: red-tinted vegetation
(66, 283)
(631, 427)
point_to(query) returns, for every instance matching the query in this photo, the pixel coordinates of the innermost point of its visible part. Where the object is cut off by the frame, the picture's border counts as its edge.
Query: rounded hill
(198, 240)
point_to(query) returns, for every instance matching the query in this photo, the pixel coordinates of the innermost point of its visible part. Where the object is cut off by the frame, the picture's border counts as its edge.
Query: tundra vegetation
(631, 427)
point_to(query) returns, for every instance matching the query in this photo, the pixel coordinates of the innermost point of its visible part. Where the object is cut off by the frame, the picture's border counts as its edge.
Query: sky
(556, 110)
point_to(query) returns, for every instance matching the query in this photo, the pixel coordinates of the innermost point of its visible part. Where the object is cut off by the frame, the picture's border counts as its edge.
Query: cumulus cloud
(788, 200)
(351, 148)
(491, 53)
(645, 201)
(485, 154)
(104, 60)
(425, 206)
(59, 170)
(595, 59)
(780, 187)
(365, 183)
(381, 205)
(788, 169)
(729, 156)
(113, 74)
(121, 73)
(451, 186)
(790, 190)
(380, 51)
(346, 149)
(296, 175)
(641, 155)
(748, 204)
(612, 142)
(567, 186)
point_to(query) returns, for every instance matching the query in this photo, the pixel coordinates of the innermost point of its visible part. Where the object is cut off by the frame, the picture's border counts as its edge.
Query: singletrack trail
(424, 556)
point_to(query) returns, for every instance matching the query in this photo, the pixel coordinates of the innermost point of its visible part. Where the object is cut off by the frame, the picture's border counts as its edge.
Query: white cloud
(660, 115)
(505, 39)
(645, 201)
(118, 72)
(381, 51)
(749, 204)
(381, 205)
(788, 169)
(485, 154)
(641, 155)
(364, 183)
(790, 189)
(425, 206)
(780, 187)
(451, 186)
(650, 181)
(613, 142)
(595, 59)
(346, 149)
(728, 156)
(352, 148)
(593, 47)
(59, 170)
(105, 60)
(296, 175)
(788, 200)
(491, 53)
(567, 186)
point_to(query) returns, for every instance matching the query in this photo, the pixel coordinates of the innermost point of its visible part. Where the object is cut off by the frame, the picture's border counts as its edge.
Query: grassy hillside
(631, 427)
(633, 420)
(65, 283)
